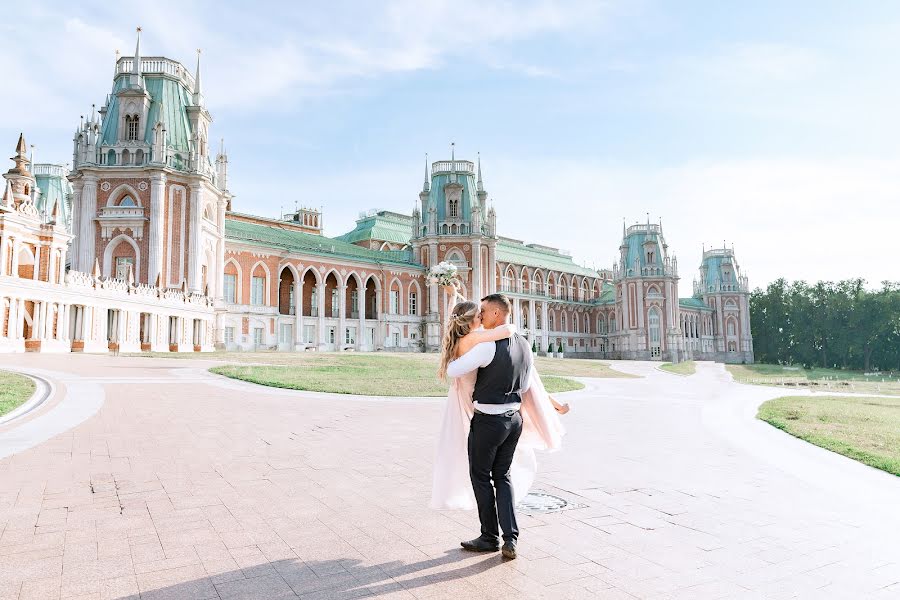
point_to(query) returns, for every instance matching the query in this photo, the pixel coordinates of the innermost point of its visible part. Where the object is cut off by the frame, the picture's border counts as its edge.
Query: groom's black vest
(501, 381)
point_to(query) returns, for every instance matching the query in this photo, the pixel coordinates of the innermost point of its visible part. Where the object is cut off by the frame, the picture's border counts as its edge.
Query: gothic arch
(111, 247)
(267, 282)
(395, 281)
(120, 192)
(315, 272)
(414, 288)
(238, 279)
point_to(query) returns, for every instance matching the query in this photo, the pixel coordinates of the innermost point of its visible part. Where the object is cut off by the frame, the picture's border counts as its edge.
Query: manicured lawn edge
(15, 390)
(685, 368)
(788, 420)
(243, 372)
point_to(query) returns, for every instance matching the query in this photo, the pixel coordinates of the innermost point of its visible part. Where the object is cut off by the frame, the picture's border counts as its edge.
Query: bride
(541, 428)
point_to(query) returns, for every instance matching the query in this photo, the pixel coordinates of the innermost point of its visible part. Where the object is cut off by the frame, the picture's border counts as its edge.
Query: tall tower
(453, 223)
(146, 194)
(646, 280)
(726, 290)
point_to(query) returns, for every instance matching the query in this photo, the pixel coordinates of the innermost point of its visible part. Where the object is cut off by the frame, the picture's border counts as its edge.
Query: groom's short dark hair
(500, 301)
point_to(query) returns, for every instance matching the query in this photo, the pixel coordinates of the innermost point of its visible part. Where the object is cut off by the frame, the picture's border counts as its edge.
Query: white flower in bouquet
(443, 274)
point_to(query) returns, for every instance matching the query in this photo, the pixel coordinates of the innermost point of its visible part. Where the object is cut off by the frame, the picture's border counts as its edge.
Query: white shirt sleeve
(479, 356)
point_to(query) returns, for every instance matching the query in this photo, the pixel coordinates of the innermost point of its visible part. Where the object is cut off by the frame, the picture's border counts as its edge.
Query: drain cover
(539, 502)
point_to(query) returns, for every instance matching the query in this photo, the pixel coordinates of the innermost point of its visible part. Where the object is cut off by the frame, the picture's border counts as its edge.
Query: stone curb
(44, 389)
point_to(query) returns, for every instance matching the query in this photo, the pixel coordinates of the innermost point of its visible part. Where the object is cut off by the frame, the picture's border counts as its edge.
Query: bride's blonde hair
(459, 325)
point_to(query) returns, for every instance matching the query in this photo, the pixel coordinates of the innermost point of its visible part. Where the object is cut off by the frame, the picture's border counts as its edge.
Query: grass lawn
(864, 429)
(818, 379)
(378, 374)
(687, 367)
(14, 390)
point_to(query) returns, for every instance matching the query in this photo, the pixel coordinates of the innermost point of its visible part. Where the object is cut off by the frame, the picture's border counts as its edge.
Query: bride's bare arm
(473, 338)
(560, 408)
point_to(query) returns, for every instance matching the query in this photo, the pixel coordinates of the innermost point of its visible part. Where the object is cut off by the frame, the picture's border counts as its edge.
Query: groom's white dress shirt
(480, 356)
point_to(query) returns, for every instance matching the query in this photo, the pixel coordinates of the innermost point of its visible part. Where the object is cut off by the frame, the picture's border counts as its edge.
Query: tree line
(842, 325)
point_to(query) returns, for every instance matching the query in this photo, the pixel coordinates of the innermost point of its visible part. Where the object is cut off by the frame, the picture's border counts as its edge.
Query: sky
(769, 126)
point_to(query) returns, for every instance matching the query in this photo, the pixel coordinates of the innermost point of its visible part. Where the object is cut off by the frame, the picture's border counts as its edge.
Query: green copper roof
(383, 226)
(637, 237)
(516, 252)
(713, 268)
(693, 303)
(438, 199)
(607, 294)
(285, 238)
(169, 102)
(55, 189)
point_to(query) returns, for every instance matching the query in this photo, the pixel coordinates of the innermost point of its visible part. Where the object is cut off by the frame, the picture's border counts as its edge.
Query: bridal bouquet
(443, 274)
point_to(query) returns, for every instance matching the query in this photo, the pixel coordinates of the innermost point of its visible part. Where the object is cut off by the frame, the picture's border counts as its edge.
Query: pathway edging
(43, 389)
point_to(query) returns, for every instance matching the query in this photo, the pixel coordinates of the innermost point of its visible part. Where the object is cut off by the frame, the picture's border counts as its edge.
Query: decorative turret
(222, 167)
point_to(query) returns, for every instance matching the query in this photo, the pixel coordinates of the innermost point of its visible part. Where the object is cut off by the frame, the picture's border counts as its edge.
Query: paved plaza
(150, 478)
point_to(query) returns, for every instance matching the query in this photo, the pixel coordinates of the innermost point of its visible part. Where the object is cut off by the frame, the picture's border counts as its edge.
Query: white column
(320, 296)
(433, 302)
(36, 320)
(14, 268)
(20, 319)
(545, 326)
(298, 311)
(76, 222)
(517, 314)
(4, 248)
(3, 319)
(476, 271)
(220, 251)
(62, 266)
(342, 314)
(87, 234)
(36, 272)
(194, 259)
(12, 324)
(361, 307)
(157, 200)
(492, 271)
(532, 321)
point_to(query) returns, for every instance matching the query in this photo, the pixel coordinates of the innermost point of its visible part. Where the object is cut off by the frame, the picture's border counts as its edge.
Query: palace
(138, 248)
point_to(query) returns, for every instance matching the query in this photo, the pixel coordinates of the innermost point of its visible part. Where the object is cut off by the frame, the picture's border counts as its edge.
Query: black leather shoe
(509, 549)
(480, 544)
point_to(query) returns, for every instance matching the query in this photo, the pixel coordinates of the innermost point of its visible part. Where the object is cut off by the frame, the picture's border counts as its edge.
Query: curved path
(168, 482)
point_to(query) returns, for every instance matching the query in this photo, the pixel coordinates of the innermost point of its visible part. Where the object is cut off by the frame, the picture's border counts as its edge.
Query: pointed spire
(480, 185)
(96, 271)
(136, 62)
(623, 229)
(453, 161)
(426, 186)
(20, 158)
(116, 65)
(198, 90)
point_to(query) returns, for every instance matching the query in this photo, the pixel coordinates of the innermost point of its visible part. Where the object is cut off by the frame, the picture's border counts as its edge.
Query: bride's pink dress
(541, 429)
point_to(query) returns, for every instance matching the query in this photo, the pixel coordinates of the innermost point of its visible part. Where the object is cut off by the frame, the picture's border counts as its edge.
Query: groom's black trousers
(492, 443)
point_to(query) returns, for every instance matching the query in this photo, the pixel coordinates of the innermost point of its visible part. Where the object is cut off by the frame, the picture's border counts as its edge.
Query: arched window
(565, 322)
(551, 325)
(127, 201)
(653, 319)
(587, 324)
(131, 127)
(413, 302)
(454, 208)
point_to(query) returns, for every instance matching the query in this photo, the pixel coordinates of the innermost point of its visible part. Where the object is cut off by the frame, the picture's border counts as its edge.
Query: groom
(503, 369)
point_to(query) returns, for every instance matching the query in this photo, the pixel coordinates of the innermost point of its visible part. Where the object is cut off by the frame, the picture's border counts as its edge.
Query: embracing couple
(497, 413)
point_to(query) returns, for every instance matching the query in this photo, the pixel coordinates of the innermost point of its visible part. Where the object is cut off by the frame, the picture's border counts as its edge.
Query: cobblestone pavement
(149, 478)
